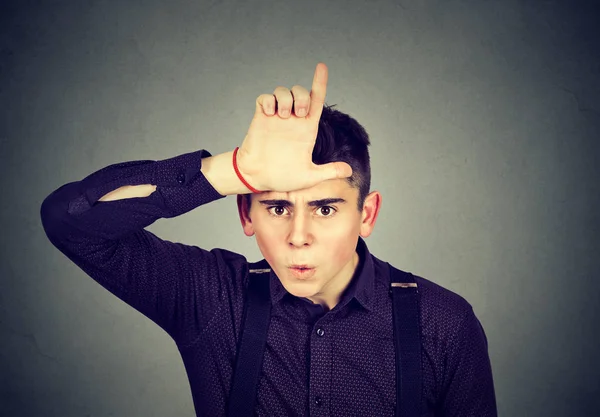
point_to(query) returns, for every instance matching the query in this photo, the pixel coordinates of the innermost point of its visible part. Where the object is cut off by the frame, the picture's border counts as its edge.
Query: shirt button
(320, 332)
(181, 177)
(318, 401)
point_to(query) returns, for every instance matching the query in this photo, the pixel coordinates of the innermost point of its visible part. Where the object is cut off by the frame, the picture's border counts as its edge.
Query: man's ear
(369, 213)
(244, 213)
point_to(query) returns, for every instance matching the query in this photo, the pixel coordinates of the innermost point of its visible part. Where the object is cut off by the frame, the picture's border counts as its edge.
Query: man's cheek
(343, 250)
(268, 244)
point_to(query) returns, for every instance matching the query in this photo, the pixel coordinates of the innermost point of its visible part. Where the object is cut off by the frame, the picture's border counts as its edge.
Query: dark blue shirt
(196, 296)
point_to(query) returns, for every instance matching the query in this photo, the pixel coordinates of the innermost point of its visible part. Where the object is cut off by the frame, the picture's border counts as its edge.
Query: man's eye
(326, 211)
(278, 212)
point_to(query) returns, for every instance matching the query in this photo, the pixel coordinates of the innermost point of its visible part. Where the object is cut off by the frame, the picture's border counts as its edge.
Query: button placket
(320, 369)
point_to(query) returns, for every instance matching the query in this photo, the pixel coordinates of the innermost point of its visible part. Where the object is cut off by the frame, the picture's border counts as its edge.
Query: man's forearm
(217, 169)
(129, 191)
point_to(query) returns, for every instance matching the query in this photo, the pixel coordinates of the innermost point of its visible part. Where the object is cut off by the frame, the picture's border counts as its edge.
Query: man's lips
(302, 271)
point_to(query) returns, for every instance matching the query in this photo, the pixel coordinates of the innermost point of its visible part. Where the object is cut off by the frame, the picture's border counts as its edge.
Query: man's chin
(299, 288)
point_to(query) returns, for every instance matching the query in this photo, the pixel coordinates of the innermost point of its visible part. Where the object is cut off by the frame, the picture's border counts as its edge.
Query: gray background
(483, 117)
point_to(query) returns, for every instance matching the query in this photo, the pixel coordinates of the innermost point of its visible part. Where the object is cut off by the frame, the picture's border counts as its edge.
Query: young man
(330, 344)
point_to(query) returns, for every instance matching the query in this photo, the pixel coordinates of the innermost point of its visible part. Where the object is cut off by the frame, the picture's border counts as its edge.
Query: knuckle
(262, 98)
(298, 89)
(285, 105)
(281, 93)
(301, 96)
(265, 100)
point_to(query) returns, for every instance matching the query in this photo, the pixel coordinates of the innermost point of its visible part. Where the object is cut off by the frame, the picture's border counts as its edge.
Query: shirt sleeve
(177, 286)
(468, 383)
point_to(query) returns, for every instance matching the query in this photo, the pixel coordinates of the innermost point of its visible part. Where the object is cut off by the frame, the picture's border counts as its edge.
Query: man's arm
(468, 389)
(218, 170)
(98, 223)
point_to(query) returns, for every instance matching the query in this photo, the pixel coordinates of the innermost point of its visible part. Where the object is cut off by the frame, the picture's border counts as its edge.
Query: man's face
(317, 226)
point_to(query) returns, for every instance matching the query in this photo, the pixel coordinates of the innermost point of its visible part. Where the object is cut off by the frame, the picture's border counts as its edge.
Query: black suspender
(407, 340)
(255, 324)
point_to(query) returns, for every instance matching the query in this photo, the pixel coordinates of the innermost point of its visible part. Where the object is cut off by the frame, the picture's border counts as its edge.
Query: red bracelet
(237, 171)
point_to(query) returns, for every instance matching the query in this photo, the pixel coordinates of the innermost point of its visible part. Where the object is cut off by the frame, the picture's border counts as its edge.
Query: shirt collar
(361, 286)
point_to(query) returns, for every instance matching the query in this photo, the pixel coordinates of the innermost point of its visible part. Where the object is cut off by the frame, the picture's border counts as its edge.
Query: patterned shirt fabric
(319, 363)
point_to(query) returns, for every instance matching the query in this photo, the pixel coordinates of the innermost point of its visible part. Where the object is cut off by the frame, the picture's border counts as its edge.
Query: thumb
(332, 171)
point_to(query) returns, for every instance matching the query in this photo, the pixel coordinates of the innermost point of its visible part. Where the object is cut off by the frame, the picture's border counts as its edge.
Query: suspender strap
(407, 339)
(255, 324)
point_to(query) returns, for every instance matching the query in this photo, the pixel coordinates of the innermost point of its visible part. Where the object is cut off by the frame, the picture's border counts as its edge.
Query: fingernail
(301, 112)
(285, 113)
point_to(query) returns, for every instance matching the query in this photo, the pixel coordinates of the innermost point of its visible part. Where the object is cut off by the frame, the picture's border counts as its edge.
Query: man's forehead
(324, 189)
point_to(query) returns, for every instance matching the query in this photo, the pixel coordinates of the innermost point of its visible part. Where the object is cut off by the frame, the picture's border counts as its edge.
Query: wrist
(239, 174)
(220, 173)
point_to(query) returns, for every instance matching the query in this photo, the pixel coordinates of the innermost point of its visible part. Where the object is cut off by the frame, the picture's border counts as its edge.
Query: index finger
(318, 91)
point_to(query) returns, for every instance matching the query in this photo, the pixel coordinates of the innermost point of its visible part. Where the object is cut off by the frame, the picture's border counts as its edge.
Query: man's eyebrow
(314, 203)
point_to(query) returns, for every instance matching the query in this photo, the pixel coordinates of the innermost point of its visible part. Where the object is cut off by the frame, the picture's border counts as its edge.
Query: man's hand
(276, 154)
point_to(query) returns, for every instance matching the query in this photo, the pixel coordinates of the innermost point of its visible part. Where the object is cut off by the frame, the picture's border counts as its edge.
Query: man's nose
(299, 234)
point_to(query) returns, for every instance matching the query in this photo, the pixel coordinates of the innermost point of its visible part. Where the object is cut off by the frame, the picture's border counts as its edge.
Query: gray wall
(483, 117)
